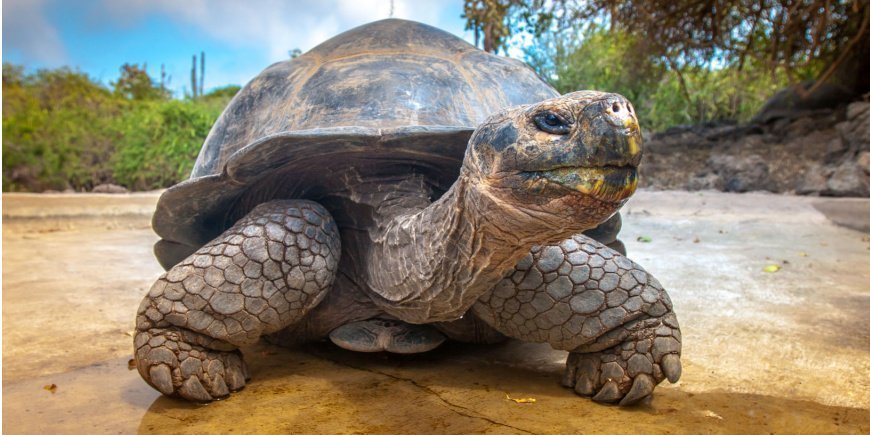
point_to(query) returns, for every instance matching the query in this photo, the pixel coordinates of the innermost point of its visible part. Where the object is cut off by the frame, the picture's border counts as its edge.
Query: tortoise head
(573, 157)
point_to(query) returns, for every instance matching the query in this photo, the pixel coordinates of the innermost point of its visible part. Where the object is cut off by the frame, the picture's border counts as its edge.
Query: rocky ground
(820, 152)
(774, 352)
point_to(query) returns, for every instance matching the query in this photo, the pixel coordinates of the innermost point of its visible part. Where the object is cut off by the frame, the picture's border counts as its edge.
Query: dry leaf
(697, 240)
(130, 332)
(712, 414)
(131, 364)
(771, 268)
(803, 254)
(50, 387)
(520, 400)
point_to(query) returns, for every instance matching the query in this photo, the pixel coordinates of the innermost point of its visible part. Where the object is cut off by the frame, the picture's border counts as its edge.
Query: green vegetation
(606, 60)
(678, 61)
(63, 130)
(684, 61)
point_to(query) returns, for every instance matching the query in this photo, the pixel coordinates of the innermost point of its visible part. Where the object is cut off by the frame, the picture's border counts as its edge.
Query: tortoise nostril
(615, 107)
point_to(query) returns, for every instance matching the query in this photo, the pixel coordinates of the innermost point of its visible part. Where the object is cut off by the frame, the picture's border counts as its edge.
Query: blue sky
(239, 37)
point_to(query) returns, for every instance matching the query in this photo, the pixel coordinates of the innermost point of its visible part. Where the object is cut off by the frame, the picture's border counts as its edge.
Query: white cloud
(30, 34)
(276, 26)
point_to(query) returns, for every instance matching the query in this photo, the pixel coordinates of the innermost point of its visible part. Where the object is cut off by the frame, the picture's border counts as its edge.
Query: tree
(136, 84)
(822, 39)
(491, 21)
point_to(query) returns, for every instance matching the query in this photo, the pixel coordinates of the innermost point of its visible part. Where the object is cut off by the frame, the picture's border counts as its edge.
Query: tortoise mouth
(608, 183)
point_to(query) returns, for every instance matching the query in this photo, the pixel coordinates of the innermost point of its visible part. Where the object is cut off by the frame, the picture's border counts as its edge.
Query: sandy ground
(783, 352)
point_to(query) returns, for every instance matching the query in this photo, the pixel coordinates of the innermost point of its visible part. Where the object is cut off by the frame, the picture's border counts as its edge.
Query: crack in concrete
(448, 404)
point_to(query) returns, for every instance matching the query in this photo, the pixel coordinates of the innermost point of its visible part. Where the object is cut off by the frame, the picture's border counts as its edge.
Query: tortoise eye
(552, 123)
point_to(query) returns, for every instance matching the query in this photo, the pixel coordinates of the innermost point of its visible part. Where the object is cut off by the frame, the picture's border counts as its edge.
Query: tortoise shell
(387, 97)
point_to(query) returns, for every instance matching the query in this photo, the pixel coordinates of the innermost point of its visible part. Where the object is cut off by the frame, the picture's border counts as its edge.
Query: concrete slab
(783, 352)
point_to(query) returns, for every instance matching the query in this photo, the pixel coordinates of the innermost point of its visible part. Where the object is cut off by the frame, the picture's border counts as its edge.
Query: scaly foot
(628, 372)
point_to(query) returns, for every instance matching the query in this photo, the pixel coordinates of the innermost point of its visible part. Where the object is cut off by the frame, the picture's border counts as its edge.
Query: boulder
(741, 173)
(849, 179)
(109, 188)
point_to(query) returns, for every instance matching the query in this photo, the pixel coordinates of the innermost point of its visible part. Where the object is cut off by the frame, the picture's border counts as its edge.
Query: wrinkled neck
(433, 264)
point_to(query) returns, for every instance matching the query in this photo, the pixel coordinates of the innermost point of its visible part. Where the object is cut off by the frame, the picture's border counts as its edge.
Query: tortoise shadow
(460, 388)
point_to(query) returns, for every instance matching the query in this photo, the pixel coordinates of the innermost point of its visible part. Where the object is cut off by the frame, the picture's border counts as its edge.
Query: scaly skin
(614, 318)
(260, 276)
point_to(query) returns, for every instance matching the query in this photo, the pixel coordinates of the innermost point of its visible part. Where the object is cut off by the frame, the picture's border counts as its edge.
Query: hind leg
(581, 296)
(263, 274)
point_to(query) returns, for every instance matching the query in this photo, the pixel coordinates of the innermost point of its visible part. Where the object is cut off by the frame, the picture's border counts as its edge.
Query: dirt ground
(782, 352)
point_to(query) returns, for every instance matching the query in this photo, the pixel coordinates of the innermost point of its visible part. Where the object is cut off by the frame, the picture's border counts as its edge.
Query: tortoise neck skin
(518, 187)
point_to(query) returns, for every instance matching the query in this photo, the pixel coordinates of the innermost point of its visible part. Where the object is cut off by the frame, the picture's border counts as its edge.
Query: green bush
(161, 141)
(62, 130)
(663, 93)
(57, 130)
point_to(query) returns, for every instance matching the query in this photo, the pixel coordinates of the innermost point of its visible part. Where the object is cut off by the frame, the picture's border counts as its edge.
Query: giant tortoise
(395, 187)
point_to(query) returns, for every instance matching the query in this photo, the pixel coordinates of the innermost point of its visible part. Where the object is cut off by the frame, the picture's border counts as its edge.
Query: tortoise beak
(607, 151)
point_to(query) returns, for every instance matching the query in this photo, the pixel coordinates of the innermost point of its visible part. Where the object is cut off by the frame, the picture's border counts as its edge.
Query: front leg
(613, 317)
(258, 277)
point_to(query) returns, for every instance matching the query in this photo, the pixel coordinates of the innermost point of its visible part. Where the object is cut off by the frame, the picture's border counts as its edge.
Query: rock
(109, 188)
(705, 181)
(741, 173)
(863, 161)
(814, 180)
(855, 131)
(857, 109)
(849, 179)
(792, 102)
(835, 150)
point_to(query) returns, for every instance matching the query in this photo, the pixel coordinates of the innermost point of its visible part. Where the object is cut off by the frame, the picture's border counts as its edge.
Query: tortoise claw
(671, 367)
(608, 394)
(192, 389)
(161, 378)
(585, 385)
(642, 387)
